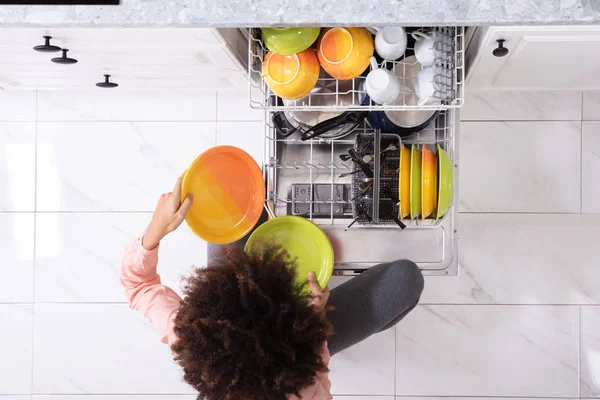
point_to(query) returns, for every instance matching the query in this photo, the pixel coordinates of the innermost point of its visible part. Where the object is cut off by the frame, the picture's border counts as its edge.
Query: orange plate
(429, 177)
(229, 194)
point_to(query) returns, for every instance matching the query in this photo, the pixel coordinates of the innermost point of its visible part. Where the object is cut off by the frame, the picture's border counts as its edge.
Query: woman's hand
(320, 297)
(167, 217)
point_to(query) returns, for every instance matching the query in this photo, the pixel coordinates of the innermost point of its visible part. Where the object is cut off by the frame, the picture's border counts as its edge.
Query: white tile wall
(78, 255)
(234, 106)
(15, 397)
(522, 259)
(115, 397)
(15, 348)
(127, 106)
(365, 369)
(590, 167)
(520, 167)
(114, 166)
(523, 106)
(17, 251)
(18, 106)
(100, 349)
(590, 352)
(481, 398)
(246, 135)
(17, 166)
(509, 325)
(591, 106)
(488, 351)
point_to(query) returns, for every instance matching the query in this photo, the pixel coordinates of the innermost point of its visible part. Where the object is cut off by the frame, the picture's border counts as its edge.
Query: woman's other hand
(320, 297)
(169, 214)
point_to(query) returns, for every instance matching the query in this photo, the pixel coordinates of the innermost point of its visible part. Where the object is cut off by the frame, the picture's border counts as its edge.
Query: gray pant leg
(373, 302)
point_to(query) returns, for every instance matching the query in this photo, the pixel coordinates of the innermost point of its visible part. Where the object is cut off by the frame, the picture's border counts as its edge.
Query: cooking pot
(299, 121)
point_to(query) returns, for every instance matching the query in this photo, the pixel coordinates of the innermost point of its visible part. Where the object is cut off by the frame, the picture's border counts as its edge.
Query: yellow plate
(415, 182)
(429, 178)
(404, 184)
(229, 194)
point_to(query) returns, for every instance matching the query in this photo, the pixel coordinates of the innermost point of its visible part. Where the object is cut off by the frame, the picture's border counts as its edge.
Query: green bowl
(303, 240)
(288, 41)
(446, 183)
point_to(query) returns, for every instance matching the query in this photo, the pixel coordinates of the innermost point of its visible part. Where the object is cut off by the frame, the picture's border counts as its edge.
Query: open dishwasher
(316, 180)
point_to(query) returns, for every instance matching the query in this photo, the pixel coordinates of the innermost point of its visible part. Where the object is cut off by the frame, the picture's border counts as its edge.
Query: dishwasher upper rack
(317, 161)
(449, 67)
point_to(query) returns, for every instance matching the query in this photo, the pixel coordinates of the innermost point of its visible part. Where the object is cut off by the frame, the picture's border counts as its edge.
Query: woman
(244, 329)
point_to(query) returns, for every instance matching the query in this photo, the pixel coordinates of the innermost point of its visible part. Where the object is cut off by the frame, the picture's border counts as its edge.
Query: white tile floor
(79, 177)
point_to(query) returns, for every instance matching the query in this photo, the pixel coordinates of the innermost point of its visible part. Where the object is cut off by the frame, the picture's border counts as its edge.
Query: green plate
(415, 182)
(303, 240)
(446, 183)
(286, 41)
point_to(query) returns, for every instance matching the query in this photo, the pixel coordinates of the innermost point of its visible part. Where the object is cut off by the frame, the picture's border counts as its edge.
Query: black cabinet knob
(47, 47)
(106, 83)
(500, 51)
(64, 59)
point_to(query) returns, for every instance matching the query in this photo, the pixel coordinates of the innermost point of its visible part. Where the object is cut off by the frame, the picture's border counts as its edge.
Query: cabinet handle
(47, 47)
(64, 59)
(106, 83)
(500, 51)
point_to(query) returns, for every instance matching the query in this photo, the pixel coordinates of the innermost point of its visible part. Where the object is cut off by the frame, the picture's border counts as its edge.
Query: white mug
(426, 85)
(424, 48)
(382, 85)
(390, 42)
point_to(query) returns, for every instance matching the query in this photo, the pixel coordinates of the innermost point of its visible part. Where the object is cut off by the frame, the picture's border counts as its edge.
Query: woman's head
(246, 331)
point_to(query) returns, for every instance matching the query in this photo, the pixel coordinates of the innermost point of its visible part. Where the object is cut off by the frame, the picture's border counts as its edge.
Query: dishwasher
(315, 180)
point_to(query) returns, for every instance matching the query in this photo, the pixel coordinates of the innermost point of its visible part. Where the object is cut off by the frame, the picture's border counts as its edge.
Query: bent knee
(409, 276)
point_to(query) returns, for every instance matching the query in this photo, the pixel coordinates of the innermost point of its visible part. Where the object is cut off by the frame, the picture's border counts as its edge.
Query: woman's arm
(139, 278)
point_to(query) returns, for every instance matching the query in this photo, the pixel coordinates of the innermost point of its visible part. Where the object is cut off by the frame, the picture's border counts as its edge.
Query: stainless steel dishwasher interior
(303, 178)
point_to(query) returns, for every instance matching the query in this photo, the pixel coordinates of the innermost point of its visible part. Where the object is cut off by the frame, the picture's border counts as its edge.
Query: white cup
(424, 48)
(426, 85)
(381, 84)
(390, 42)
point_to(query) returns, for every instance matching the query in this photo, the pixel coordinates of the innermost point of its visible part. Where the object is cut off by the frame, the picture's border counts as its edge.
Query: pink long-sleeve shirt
(159, 304)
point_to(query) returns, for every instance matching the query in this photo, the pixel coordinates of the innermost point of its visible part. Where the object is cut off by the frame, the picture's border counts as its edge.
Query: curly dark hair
(247, 331)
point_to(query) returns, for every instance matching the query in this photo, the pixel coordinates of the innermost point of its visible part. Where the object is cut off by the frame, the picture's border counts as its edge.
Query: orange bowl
(291, 76)
(345, 52)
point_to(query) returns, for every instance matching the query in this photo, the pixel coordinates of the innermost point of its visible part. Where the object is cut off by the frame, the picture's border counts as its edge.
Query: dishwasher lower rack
(308, 178)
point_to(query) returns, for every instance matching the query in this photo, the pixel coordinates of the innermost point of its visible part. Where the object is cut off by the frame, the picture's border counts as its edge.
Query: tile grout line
(217, 119)
(35, 177)
(579, 352)
(395, 359)
(581, 159)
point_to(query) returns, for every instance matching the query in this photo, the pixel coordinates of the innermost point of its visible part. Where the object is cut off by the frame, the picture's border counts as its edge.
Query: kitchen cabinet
(537, 58)
(135, 58)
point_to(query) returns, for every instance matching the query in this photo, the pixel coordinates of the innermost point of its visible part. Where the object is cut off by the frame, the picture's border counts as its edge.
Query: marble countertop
(243, 13)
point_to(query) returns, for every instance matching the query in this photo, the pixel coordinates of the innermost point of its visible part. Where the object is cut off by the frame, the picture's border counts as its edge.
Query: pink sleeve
(144, 292)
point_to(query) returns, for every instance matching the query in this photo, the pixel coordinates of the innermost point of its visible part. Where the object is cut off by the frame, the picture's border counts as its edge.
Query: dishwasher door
(307, 178)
